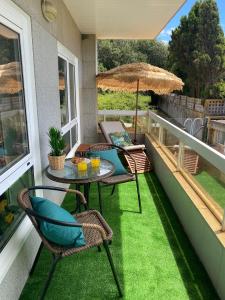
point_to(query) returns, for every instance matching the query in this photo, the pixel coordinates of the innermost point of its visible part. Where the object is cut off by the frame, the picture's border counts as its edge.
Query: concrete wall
(44, 37)
(209, 249)
(13, 282)
(89, 103)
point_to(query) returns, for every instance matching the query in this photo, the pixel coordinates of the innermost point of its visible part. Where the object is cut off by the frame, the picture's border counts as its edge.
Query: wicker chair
(96, 231)
(117, 179)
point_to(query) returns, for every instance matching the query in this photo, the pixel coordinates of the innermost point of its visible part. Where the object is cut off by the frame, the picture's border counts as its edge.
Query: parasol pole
(136, 113)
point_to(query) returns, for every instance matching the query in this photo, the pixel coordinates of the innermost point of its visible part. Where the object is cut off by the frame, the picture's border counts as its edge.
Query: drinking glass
(95, 161)
(82, 166)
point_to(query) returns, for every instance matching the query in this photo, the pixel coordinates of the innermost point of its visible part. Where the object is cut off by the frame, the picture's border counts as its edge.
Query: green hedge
(122, 101)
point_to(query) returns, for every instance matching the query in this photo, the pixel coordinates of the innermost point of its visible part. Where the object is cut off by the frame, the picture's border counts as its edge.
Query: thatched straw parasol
(10, 78)
(61, 81)
(139, 77)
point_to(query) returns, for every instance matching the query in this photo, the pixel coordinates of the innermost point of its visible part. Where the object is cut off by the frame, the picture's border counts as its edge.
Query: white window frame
(16, 19)
(70, 58)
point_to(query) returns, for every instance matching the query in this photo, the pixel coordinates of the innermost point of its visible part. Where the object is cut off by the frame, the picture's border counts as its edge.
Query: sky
(165, 34)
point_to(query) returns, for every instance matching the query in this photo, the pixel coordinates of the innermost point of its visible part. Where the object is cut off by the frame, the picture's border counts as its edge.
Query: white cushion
(134, 147)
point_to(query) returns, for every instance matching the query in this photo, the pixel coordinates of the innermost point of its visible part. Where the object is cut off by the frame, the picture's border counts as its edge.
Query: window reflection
(72, 91)
(10, 213)
(67, 141)
(74, 134)
(13, 125)
(63, 93)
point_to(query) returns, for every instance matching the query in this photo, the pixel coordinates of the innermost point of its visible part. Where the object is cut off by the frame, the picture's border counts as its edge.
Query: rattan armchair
(117, 179)
(96, 231)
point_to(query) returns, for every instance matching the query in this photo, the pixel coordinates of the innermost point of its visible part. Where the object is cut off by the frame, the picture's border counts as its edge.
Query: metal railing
(127, 116)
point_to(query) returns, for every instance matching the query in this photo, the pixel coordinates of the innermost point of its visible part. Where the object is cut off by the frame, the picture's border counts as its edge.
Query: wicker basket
(56, 162)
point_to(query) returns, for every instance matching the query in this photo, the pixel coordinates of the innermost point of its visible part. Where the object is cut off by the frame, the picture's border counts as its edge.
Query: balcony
(152, 253)
(175, 248)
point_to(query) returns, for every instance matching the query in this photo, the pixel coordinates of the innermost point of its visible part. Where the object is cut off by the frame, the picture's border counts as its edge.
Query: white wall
(44, 39)
(210, 250)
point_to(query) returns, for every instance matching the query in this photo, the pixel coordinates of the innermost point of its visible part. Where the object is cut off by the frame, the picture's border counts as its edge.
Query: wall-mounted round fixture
(49, 11)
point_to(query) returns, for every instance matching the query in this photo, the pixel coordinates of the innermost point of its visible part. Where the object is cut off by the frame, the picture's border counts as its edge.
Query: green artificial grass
(213, 187)
(152, 255)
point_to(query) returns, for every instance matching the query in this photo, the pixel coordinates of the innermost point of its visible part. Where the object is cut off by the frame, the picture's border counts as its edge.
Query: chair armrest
(60, 189)
(127, 153)
(32, 213)
(95, 227)
(83, 200)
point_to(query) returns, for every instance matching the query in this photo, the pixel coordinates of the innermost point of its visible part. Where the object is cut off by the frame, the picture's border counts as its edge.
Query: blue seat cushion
(121, 139)
(61, 235)
(113, 157)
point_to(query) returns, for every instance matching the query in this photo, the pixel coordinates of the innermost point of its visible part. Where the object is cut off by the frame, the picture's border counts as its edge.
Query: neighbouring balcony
(183, 200)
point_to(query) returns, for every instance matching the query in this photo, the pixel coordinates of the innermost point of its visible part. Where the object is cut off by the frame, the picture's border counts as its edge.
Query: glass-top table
(70, 174)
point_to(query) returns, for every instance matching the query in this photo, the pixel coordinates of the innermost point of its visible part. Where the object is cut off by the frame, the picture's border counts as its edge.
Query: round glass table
(70, 174)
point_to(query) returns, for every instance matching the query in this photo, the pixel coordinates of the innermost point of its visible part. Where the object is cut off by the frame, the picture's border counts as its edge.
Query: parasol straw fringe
(124, 78)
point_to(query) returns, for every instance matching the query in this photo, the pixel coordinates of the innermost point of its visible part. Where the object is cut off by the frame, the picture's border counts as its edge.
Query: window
(19, 141)
(68, 94)
(13, 124)
(63, 92)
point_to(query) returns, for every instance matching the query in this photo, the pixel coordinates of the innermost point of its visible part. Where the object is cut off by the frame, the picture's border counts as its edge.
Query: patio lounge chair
(96, 232)
(136, 151)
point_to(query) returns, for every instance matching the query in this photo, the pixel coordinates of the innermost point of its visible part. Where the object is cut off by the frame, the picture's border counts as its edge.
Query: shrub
(56, 142)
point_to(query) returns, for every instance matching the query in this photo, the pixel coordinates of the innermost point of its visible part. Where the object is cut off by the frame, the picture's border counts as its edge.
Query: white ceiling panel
(122, 19)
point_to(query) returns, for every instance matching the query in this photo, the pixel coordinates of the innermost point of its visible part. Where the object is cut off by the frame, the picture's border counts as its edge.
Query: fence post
(180, 157)
(149, 126)
(161, 134)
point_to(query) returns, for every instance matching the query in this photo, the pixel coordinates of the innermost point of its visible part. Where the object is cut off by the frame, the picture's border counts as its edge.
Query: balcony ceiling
(122, 19)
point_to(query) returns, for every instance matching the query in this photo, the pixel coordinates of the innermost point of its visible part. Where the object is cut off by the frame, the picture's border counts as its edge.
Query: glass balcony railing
(200, 164)
(127, 117)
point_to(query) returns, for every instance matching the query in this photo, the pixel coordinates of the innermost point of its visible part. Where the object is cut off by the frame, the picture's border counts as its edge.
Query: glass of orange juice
(82, 166)
(95, 161)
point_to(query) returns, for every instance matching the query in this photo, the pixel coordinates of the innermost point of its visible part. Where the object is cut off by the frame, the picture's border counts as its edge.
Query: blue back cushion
(62, 235)
(112, 156)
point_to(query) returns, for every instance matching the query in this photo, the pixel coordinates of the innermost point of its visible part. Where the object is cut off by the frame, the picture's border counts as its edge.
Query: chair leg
(113, 190)
(100, 197)
(138, 193)
(55, 259)
(112, 268)
(36, 259)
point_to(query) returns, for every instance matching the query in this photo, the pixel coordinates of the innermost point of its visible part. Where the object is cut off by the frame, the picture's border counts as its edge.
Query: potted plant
(57, 156)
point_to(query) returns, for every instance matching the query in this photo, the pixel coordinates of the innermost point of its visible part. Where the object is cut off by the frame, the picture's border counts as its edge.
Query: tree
(113, 53)
(156, 52)
(197, 51)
